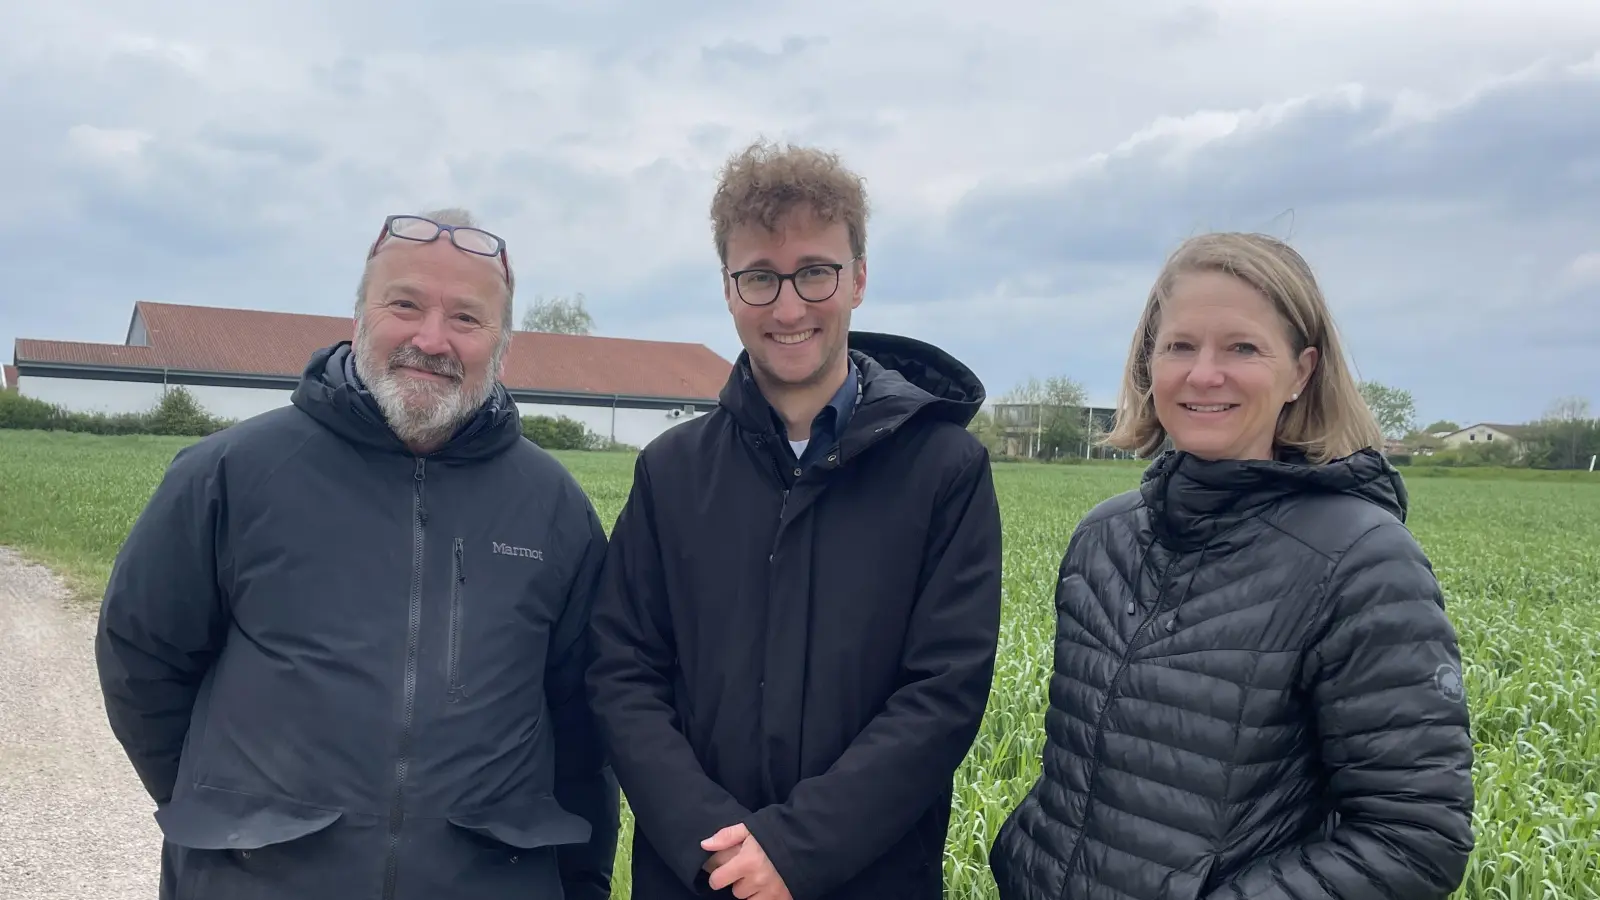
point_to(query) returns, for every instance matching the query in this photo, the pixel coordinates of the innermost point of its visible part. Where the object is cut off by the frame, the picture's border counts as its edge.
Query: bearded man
(344, 644)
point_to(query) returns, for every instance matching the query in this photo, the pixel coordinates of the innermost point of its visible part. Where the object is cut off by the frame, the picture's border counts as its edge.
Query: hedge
(178, 413)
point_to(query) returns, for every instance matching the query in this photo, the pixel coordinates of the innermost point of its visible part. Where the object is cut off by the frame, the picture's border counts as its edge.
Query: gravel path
(75, 823)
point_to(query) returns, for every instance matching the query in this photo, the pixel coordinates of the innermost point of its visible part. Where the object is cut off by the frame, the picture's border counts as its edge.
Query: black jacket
(806, 651)
(1256, 693)
(343, 671)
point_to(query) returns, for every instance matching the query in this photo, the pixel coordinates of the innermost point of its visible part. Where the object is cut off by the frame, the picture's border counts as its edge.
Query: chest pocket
(502, 605)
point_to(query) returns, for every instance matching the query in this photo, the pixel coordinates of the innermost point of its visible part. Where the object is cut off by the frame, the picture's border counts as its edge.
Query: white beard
(422, 413)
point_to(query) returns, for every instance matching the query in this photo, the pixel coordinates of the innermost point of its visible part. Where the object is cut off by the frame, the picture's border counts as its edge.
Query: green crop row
(1519, 561)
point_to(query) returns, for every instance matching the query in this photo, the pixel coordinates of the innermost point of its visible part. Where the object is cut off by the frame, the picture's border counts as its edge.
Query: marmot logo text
(508, 550)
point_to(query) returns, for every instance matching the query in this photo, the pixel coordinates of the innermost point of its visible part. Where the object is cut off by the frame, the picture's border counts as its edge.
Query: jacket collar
(331, 393)
(832, 418)
(899, 378)
(1193, 500)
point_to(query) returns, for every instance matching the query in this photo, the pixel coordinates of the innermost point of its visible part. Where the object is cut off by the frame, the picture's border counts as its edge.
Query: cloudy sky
(1030, 163)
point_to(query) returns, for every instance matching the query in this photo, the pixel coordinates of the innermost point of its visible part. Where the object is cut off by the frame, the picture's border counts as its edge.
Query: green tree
(1443, 425)
(1420, 441)
(559, 433)
(1565, 438)
(558, 315)
(180, 413)
(1059, 419)
(1395, 410)
(984, 427)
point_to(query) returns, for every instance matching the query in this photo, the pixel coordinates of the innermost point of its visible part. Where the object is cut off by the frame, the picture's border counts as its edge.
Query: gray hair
(464, 219)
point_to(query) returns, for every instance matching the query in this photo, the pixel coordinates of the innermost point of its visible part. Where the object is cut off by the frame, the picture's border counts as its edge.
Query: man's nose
(432, 336)
(789, 307)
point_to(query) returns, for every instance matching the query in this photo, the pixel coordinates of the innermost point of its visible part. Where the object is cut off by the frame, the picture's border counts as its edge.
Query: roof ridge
(234, 310)
(196, 338)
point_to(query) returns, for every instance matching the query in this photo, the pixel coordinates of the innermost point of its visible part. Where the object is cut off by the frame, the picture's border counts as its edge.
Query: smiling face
(428, 339)
(1223, 366)
(794, 343)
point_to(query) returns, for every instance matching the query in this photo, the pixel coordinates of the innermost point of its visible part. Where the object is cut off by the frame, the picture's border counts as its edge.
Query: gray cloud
(1409, 217)
(1523, 146)
(1030, 167)
(730, 56)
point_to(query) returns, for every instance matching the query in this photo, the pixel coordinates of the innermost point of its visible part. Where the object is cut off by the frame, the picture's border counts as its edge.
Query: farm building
(1021, 427)
(1486, 433)
(8, 378)
(238, 363)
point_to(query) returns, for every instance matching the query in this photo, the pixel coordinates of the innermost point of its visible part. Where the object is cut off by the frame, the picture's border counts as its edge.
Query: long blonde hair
(1329, 420)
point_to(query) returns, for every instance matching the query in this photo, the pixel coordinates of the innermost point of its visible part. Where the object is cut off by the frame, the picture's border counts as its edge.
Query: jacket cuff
(769, 834)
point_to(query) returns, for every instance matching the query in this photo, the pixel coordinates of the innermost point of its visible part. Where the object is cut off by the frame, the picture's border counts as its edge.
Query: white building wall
(87, 395)
(1478, 434)
(630, 425)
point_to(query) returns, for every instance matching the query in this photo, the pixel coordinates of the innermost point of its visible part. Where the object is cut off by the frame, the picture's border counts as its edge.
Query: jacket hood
(333, 394)
(1194, 499)
(916, 377)
(901, 377)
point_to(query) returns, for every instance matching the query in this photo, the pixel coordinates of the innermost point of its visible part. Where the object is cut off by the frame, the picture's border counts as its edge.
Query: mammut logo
(1448, 680)
(508, 550)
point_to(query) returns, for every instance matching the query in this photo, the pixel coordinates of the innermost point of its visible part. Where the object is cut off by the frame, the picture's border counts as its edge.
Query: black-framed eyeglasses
(421, 230)
(814, 283)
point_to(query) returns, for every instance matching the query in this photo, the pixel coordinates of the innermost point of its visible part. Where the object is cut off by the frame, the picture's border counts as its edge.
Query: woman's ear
(1305, 367)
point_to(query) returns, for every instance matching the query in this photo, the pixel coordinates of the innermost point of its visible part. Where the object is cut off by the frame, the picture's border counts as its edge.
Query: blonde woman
(1256, 690)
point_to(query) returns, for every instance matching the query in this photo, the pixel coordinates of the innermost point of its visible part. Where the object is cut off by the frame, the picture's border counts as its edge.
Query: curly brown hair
(764, 182)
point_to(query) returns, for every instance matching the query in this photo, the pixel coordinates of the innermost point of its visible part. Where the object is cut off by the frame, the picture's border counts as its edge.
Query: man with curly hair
(796, 624)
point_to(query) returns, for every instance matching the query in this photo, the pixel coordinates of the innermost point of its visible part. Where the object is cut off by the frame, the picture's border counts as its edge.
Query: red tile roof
(258, 342)
(80, 354)
(10, 376)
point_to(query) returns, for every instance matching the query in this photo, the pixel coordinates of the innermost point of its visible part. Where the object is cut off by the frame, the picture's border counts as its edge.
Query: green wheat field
(1518, 555)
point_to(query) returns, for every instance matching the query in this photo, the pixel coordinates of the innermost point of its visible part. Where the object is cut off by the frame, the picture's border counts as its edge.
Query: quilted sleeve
(1385, 679)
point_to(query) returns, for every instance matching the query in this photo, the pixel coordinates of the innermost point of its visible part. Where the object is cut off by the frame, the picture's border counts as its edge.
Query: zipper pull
(422, 500)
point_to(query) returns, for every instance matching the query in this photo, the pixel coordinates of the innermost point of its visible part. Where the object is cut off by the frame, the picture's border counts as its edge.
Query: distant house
(8, 378)
(241, 362)
(1019, 427)
(1485, 433)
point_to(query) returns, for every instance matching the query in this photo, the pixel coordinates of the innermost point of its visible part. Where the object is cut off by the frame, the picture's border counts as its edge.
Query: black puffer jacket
(1256, 693)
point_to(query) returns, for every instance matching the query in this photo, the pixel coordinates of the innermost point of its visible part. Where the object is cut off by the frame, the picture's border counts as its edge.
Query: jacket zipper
(772, 556)
(458, 576)
(783, 511)
(1100, 723)
(783, 482)
(413, 630)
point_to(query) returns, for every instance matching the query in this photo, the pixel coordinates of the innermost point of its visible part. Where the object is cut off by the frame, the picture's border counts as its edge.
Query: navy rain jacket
(344, 671)
(808, 650)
